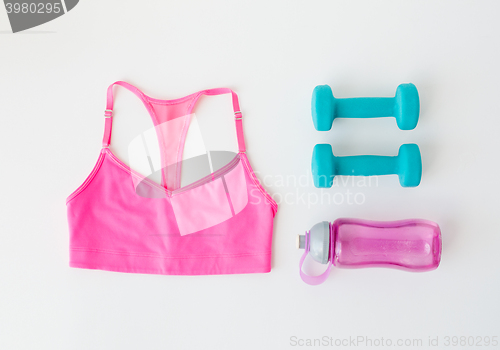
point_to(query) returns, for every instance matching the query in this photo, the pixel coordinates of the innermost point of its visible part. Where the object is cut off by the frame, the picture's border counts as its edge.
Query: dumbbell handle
(366, 165)
(364, 107)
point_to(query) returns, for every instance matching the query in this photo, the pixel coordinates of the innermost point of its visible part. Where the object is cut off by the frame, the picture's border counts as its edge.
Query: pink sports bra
(120, 220)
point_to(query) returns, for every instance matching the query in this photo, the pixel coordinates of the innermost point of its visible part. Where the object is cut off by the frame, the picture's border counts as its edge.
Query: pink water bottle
(413, 245)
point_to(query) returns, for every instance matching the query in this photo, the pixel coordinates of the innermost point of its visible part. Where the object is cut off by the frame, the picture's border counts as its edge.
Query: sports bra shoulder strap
(237, 114)
(108, 113)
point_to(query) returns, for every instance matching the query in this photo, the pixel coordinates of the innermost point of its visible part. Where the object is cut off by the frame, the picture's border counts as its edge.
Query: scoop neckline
(170, 193)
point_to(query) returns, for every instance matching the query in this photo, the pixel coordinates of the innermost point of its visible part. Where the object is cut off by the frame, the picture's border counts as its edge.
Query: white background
(53, 80)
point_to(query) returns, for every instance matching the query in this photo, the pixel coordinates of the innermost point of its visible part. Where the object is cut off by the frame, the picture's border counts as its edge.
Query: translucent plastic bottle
(413, 245)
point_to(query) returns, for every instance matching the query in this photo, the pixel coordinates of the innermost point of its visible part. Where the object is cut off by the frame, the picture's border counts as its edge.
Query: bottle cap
(319, 242)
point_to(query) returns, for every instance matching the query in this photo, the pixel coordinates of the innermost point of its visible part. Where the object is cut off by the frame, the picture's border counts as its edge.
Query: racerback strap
(108, 113)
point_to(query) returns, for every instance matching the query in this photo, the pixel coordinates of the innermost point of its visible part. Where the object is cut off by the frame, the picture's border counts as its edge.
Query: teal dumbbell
(407, 165)
(405, 107)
